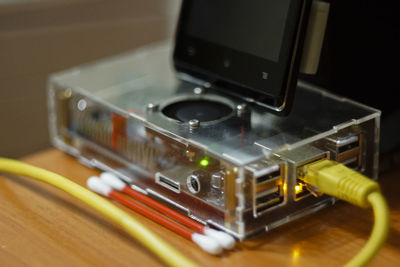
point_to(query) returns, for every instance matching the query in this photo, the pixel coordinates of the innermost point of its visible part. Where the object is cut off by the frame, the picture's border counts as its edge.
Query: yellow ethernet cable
(337, 180)
(159, 247)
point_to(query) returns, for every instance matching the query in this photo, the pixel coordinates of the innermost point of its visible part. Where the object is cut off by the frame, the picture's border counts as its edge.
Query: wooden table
(42, 226)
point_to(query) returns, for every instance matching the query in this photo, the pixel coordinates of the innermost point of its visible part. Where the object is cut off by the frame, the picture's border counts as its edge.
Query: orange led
(298, 188)
(284, 187)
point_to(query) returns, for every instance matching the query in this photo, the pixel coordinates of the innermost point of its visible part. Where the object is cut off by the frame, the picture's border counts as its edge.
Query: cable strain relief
(337, 180)
(356, 190)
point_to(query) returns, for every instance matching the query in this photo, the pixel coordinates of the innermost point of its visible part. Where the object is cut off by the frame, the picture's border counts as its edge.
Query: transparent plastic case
(237, 173)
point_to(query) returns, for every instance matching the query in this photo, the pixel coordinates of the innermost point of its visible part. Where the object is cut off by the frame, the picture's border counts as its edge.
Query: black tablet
(250, 49)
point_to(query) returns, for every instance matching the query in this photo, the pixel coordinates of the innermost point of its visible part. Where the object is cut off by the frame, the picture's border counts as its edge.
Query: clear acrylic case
(237, 173)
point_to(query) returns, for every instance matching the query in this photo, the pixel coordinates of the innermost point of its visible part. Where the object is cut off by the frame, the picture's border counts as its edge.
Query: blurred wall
(41, 37)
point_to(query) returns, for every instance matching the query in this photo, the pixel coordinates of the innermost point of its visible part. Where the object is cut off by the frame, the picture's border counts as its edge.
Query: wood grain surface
(43, 226)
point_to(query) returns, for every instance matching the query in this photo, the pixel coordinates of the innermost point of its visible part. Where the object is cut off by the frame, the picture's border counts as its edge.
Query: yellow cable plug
(335, 179)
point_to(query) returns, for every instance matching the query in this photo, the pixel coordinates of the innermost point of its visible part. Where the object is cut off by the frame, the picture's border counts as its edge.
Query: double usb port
(268, 189)
(347, 149)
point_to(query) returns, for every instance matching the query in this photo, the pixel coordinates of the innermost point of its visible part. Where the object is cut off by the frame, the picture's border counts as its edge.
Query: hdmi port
(168, 183)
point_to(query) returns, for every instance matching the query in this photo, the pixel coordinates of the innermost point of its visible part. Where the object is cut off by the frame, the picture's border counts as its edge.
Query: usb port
(352, 163)
(267, 174)
(267, 186)
(266, 201)
(347, 144)
(168, 183)
(265, 197)
(347, 150)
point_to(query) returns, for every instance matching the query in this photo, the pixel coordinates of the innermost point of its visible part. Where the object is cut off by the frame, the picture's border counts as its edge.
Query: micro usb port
(168, 183)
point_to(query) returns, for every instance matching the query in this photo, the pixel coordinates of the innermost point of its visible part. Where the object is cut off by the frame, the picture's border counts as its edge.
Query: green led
(204, 162)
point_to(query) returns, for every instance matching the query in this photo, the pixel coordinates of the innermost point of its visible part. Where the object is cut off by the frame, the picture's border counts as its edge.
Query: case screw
(82, 104)
(198, 91)
(152, 107)
(241, 109)
(190, 155)
(194, 123)
(67, 93)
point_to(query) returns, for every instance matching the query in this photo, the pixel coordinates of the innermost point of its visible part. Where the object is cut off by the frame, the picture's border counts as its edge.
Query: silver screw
(152, 107)
(241, 109)
(67, 93)
(190, 155)
(82, 104)
(194, 123)
(198, 90)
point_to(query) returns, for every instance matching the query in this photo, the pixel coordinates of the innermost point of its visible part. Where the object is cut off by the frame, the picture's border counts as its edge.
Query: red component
(164, 209)
(172, 225)
(118, 129)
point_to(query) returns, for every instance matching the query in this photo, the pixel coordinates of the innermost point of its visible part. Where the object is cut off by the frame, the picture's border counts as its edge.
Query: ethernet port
(301, 190)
